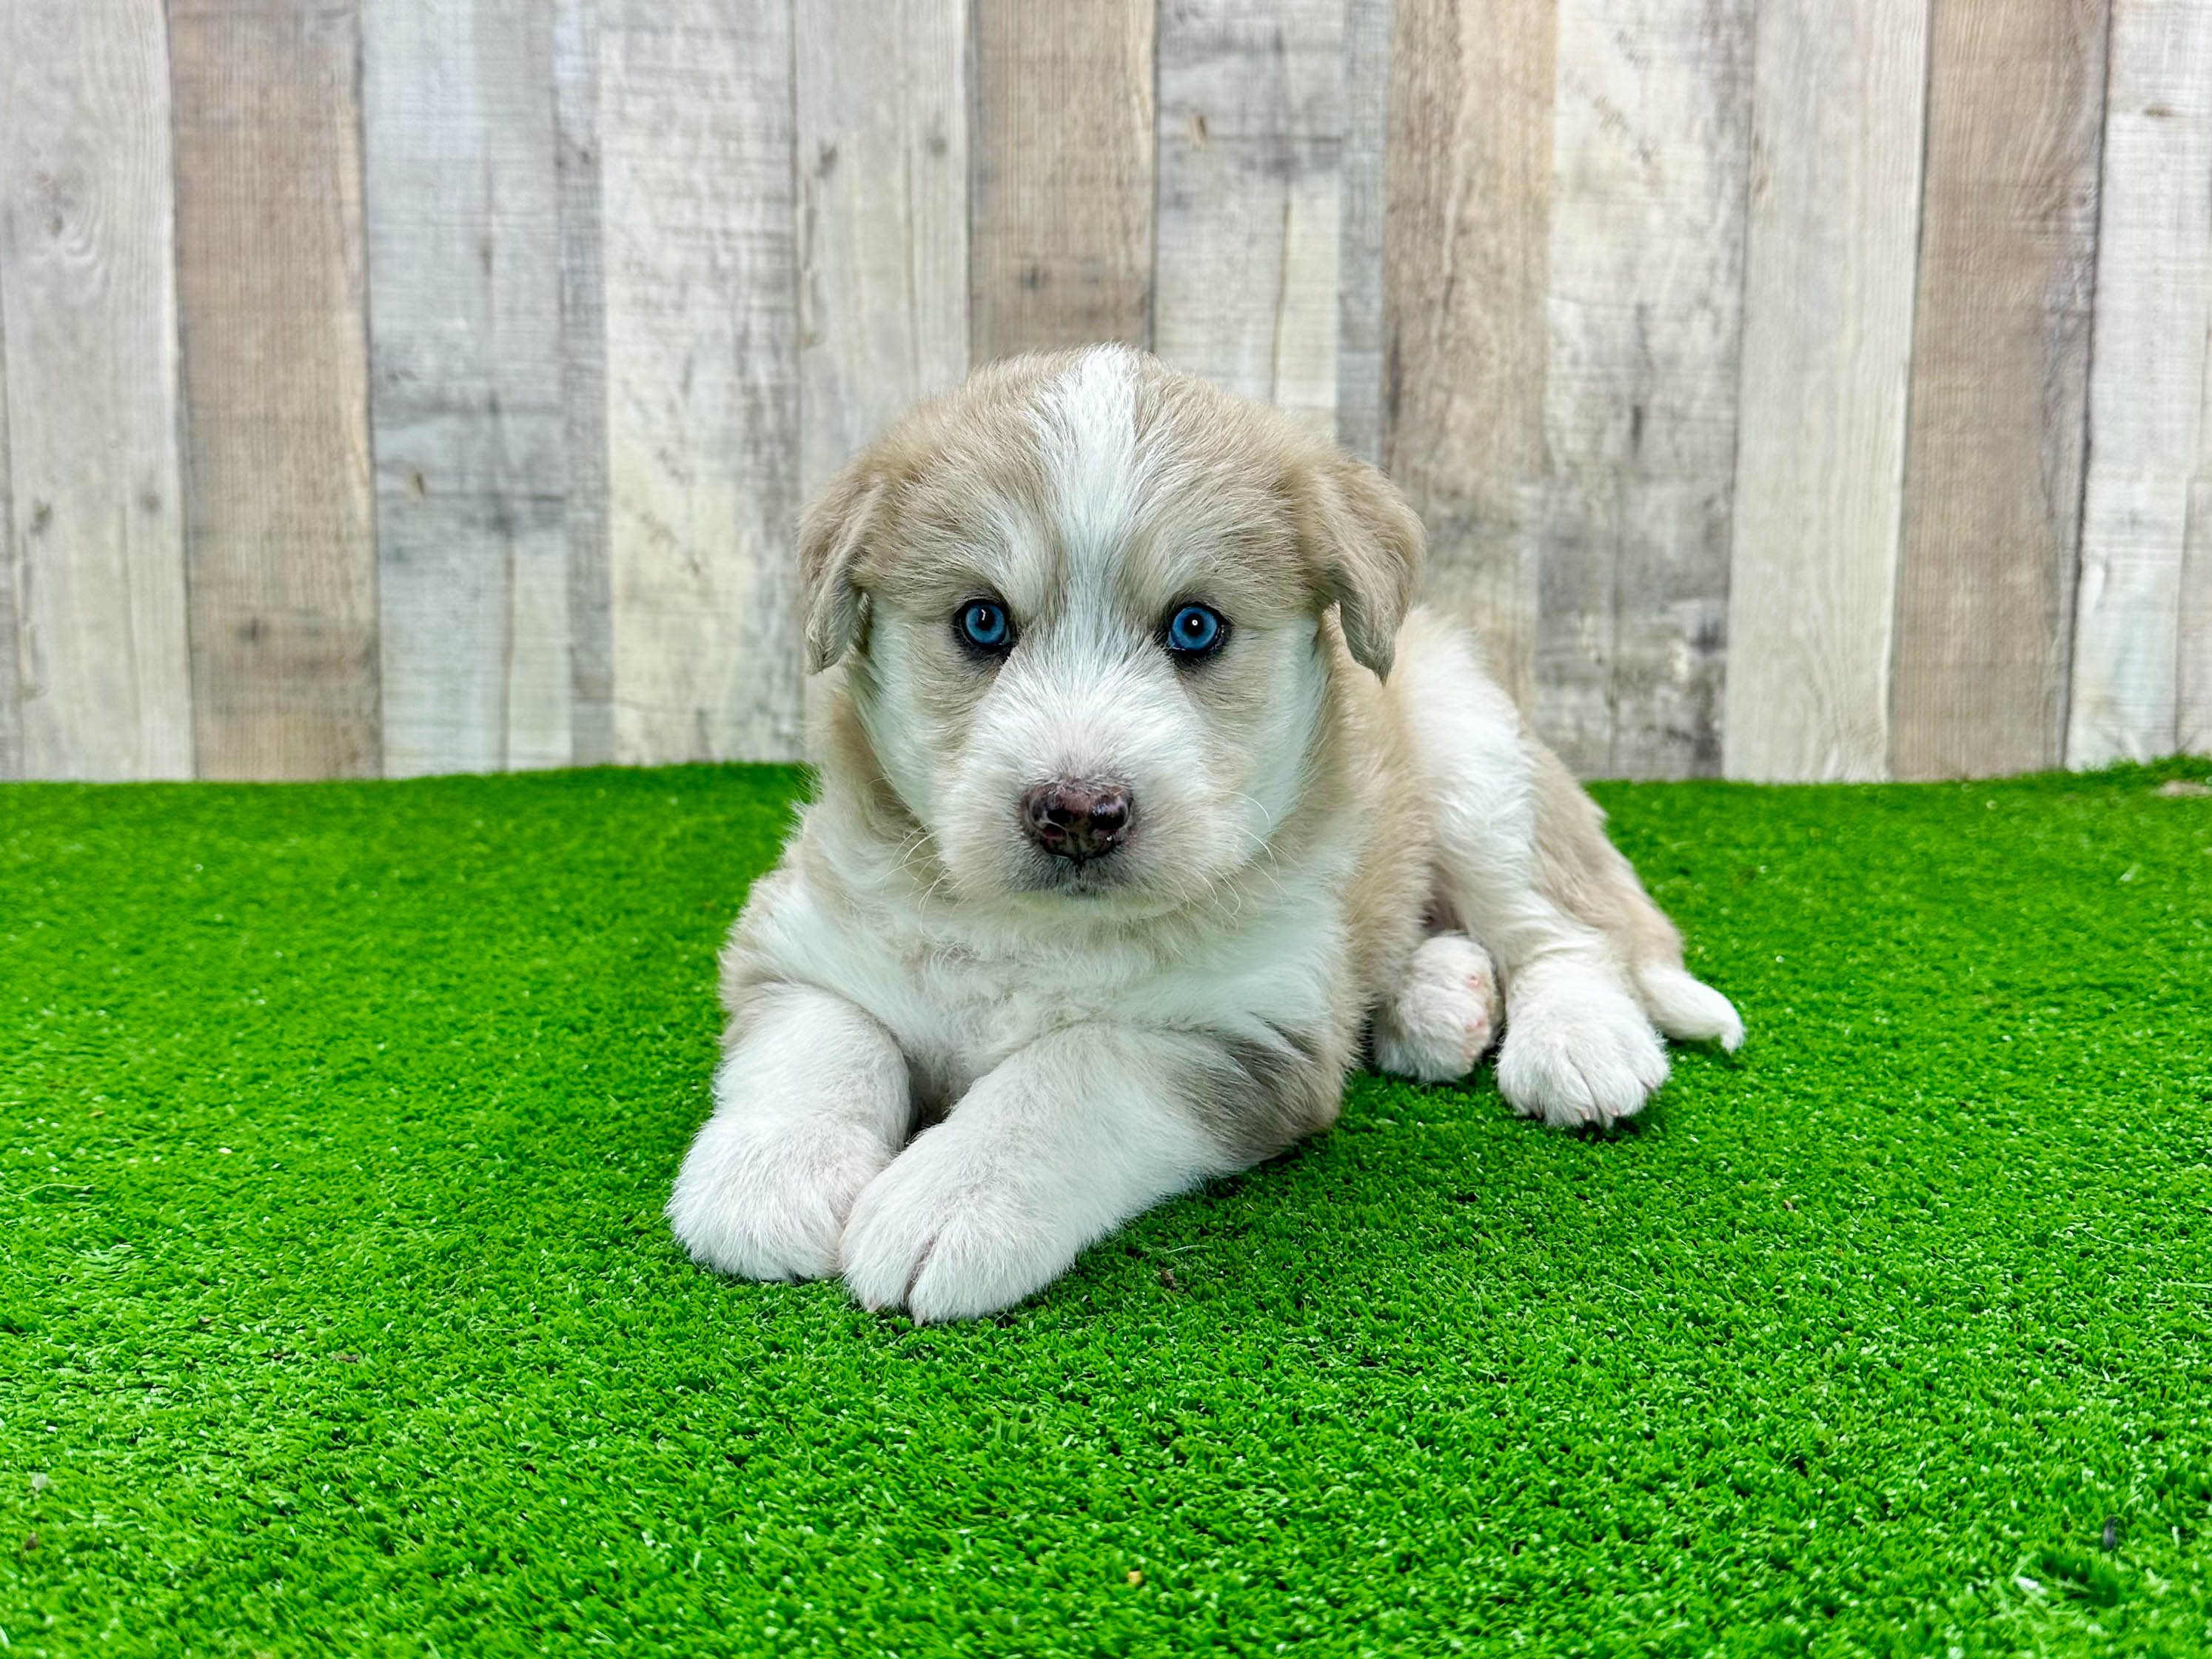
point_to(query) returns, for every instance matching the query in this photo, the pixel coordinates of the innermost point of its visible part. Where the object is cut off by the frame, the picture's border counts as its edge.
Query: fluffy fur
(954, 1060)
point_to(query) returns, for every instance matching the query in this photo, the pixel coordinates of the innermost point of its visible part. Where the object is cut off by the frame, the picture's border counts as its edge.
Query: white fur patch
(1087, 428)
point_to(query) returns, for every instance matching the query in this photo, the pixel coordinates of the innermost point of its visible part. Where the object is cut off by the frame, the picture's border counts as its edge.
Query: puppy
(1142, 800)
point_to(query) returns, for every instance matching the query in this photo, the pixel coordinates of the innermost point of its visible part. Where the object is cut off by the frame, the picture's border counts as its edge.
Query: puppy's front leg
(1065, 1140)
(809, 1107)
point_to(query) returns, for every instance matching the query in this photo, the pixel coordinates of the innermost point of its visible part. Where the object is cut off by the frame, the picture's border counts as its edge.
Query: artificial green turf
(338, 1316)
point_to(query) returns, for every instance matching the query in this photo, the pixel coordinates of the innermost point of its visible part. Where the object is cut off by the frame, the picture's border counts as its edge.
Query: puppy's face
(1084, 601)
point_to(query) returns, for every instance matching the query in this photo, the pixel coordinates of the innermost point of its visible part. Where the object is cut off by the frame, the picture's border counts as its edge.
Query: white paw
(765, 1196)
(1579, 1051)
(1443, 1013)
(953, 1231)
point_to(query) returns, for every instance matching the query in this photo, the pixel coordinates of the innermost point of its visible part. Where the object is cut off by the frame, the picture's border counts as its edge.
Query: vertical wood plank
(1364, 171)
(465, 385)
(1650, 150)
(1464, 237)
(87, 307)
(1839, 91)
(11, 687)
(584, 381)
(881, 108)
(2000, 386)
(1250, 222)
(279, 524)
(703, 377)
(883, 174)
(2193, 630)
(1060, 158)
(2147, 401)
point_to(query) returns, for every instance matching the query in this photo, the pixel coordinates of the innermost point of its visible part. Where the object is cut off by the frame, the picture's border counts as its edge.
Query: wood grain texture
(279, 518)
(1250, 221)
(2192, 733)
(1650, 152)
(1840, 87)
(584, 381)
(883, 177)
(466, 393)
(2148, 417)
(1061, 167)
(2000, 386)
(702, 379)
(88, 306)
(1364, 171)
(11, 687)
(1464, 233)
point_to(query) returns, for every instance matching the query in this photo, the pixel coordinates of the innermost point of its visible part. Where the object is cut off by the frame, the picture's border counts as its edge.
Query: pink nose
(1077, 821)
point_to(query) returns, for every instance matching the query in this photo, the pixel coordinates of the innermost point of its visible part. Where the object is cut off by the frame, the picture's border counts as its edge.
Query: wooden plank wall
(1832, 227)
(2136, 643)
(1466, 232)
(2000, 386)
(279, 523)
(88, 311)
(1793, 389)
(1651, 141)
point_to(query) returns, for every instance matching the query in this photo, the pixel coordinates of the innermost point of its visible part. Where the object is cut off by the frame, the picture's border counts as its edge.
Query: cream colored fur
(954, 1060)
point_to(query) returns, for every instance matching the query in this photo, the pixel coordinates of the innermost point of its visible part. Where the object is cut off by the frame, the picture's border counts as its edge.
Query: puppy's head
(1090, 607)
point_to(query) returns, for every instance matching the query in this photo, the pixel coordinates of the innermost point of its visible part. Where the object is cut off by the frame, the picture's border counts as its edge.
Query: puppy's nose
(1077, 821)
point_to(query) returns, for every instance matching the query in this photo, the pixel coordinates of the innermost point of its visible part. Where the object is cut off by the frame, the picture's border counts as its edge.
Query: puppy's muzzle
(1078, 821)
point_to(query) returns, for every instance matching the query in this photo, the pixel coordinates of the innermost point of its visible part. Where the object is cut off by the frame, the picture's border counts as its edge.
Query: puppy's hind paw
(1443, 1014)
(1580, 1056)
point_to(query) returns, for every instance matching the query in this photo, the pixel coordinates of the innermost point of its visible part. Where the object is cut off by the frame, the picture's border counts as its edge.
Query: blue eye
(1194, 630)
(983, 625)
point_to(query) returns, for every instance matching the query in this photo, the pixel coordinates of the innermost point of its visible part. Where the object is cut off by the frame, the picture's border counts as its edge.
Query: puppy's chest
(959, 1009)
(960, 1001)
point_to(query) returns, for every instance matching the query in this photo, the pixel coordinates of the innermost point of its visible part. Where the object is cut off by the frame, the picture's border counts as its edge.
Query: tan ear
(1365, 547)
(832, 534)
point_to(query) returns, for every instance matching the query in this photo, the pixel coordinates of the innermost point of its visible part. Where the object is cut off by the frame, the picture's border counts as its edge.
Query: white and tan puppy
(1142, 800)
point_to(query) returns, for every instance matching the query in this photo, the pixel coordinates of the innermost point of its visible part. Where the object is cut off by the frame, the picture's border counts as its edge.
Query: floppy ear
(831, 535)
(1364, 544)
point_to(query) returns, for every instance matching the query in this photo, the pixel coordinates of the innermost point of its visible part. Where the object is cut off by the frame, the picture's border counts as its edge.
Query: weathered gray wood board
(467, 396)
(279, 523)
(1651, 144)
(1465, 235)
(2149, 413)
(882, 214)
(1250, 217)
(703, 377)
(11, 689)
(88, 307)
(881, 106)
(2000, 379)
(1828, 330)
(584, 381)
(2193, 631)
(1364, 170)
(1061, 174)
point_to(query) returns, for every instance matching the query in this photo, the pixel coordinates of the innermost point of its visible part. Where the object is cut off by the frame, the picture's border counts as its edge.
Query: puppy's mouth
(1076, 879)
